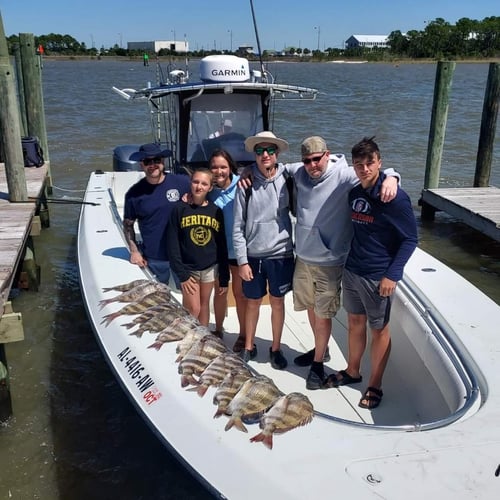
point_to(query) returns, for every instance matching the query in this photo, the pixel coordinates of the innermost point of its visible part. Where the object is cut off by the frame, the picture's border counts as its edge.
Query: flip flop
(334, 381)
(371, 401)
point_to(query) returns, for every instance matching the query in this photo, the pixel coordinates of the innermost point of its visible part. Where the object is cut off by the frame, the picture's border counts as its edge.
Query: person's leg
(277, 320)
(220, 308)
(379, 355)
(251, 319)
(191, 301)
(239, 298)
(357, 343)
(204, 297)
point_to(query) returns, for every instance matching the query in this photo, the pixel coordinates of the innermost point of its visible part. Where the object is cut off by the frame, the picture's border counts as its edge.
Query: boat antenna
(258, 41)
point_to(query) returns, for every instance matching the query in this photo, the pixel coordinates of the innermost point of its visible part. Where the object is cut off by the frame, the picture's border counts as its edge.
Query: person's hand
(221, 290)
(187, 198)
(190, 286)
(245, 272)
(246, 178)
(138, 259)
(386, 287)
(389, 189)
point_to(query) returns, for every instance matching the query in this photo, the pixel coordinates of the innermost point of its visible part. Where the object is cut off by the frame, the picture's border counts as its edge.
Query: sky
(227, 24)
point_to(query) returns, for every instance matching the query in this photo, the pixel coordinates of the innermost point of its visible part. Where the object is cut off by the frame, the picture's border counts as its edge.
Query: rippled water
(74, 434)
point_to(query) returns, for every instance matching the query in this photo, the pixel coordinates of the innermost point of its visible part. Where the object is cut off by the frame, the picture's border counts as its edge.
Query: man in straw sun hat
(262, 237)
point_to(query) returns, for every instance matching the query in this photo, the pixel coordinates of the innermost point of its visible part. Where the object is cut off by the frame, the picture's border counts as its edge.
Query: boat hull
(436, 431)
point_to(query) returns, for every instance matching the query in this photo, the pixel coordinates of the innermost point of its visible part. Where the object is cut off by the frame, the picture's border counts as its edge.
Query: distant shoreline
(138, 59)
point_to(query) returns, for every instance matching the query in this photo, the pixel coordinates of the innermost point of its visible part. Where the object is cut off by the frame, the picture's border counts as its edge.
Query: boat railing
(442, 335)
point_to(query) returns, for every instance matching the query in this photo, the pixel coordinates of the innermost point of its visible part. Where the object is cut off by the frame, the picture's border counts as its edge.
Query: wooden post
(442, 87)
(20, 89)
(33, 95)
(10, 132)
(5, 400)
(488, 127)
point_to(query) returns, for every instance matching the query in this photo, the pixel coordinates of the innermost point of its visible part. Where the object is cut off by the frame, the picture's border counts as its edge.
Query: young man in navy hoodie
(385, 236)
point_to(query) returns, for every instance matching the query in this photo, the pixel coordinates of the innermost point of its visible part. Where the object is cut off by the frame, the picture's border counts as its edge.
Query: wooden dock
(476, 206)
(16, 220)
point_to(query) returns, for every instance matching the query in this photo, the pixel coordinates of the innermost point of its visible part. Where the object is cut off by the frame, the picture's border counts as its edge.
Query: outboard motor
(121, 158)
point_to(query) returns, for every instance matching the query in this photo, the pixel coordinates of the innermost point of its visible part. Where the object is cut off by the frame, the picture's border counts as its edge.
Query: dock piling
(488, 127)
(442, 87)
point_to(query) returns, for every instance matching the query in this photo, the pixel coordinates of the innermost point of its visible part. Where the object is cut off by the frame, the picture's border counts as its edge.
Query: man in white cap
(149, 202)
(262, 237)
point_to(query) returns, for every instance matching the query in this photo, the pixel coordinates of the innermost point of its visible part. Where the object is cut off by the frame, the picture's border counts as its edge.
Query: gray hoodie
(323, 231)
(263, 229)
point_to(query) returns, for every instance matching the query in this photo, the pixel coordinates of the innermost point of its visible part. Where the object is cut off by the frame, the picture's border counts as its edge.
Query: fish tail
(236, 422)
(201, 390)
(104, 302)
(109, 318)
(266, 439)
(156, 345)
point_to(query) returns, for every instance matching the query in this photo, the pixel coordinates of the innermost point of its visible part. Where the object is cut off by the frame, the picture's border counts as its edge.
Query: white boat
(436, 433)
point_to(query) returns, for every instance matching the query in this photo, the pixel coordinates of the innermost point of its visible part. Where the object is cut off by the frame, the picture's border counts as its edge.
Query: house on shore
(367, 42)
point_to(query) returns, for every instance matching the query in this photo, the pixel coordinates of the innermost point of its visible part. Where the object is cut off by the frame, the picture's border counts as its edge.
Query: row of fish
(204, 361)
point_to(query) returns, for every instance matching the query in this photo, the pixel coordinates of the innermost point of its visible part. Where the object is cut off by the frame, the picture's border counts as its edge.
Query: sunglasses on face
(315, 159)
(271, 150)
(150, 161)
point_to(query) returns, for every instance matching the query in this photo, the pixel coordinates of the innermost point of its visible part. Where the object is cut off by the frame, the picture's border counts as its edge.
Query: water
(74, 434)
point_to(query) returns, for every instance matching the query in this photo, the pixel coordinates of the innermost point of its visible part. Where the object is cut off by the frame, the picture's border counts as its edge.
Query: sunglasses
(315, 159)
(271, 150)
(150, 161)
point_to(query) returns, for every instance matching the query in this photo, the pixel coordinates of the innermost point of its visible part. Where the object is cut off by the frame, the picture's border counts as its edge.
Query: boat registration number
(143, 381)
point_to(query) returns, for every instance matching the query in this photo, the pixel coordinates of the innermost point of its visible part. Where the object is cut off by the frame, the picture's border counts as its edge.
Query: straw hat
(267, 137)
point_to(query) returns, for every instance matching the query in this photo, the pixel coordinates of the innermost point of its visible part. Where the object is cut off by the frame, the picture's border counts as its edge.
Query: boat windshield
(220, 121)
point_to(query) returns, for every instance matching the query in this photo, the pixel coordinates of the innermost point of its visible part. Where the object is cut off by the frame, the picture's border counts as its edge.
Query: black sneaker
(314, 381)
(247, 355)
(307, 358)
(278, 361)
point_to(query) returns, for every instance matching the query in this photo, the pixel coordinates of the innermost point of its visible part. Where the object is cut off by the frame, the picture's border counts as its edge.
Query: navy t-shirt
(151, 205)
(385, 234)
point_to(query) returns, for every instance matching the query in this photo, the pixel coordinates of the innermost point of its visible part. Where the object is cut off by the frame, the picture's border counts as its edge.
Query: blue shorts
(273, 274)
(361, 296)
(161, 269)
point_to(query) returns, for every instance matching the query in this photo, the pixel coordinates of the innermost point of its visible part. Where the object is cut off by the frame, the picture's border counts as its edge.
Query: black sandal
(333, 380)
(371, 401)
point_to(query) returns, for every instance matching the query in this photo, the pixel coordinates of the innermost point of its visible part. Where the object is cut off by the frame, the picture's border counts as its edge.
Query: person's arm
(136, 256)
(239, 239)
(174, 246)
(222, 257)
(403, 220)
(390, 185)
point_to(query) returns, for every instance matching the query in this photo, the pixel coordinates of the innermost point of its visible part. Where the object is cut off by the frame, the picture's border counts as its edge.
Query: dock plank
(477, 207)
(15, 225)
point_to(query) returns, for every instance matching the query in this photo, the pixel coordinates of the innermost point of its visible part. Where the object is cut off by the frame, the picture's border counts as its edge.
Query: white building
(366, 41)
(157, 45)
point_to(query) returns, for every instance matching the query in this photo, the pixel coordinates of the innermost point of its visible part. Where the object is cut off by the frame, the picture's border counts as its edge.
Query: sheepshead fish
(157, 323)
(136, 293)
(198, 358)
(147, 302)
(191, 337)
(288, 412)
(177, 330)
(153, 312)
(166, 336)
(228, 388)
(215, 372)
(126, 286)
(255, 396)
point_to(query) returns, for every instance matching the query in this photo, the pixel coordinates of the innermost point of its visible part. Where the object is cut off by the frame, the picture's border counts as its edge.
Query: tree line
(468, 38)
